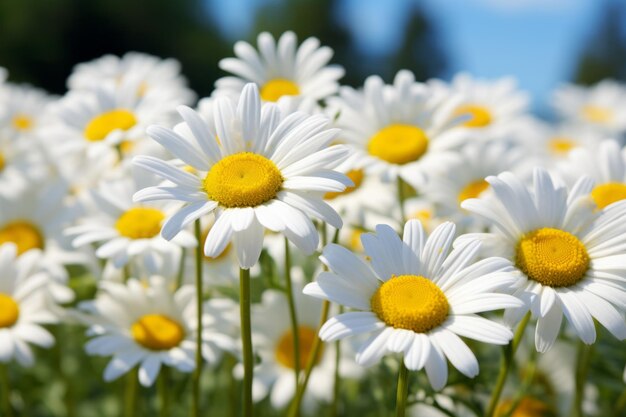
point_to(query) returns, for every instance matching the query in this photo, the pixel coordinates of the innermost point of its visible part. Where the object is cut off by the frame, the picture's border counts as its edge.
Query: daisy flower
(256, 169)
(606, 165)
(20, 164)
(23, 109)
(398, 130)
(464, 178)
(273, 341)
(492, 107)
(602, 106)
(416, 297)
(149, 73)
(23, 306)
(571, 258)
(128, 232)
(151, 327)
(281, 68)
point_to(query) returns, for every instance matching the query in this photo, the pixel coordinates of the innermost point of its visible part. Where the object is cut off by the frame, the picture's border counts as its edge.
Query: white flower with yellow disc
(23, 109)
(601, 106)
(401, 129)
(127, 232)
(150, 327)
(255, 168)
(23, 306)
(572, 258)
(281, 68)
(416, 297)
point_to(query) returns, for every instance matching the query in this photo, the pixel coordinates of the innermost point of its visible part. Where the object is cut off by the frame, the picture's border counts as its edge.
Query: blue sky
(537, 41)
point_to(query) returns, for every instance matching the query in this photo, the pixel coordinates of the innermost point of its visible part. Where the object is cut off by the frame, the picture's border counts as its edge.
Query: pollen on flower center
(608, 193)
(22, 122)
(552, 257)
(410, 302)
(284, 348)
(243, 180)
(9, 311)
(140, 223)
(398, 144)
(356, 175)
(101, 125)
(278, 87)
(480, 116)
(23, 234)
(473, 190)
(560, 146)
(597, 114)
(157, 332)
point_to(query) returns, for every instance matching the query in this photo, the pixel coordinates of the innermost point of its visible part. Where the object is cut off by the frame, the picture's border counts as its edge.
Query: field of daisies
(292, 247)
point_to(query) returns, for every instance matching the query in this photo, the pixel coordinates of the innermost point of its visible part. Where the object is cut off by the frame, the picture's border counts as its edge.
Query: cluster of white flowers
(449, 203)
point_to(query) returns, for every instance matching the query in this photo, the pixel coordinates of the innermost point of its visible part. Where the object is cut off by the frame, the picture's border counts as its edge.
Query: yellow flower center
(243, 180)
(23, 234)
(2, 162)
(480, 116)
(356, 175)
(398, 144)
(354, 241)
(22, 122)
(410, 302)
(140, 223)
(560, 145)
(284, 348)
(157, 332)
(552, 257)
(608, 193)
(278, 87)
(9, 311)
(473, 190)
(527, 407)
(101, 125)
(597, 114)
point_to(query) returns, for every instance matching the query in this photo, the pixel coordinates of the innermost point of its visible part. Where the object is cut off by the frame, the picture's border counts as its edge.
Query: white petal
(373, 348)
(548, 327)
(416, 357)
(578, 316)
(436, 368)
(457, 352)
(349, 324)
(337, 289)
(479, 328)
(149, 370)
(249, 244)
(346, 264)
(185, 216)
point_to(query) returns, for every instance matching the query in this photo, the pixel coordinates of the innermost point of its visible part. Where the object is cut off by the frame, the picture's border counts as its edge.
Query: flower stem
(246, 340)
(620, 404)
(6, 390)
(508, 352)
(403, 390)
(401, 199)
(195, 406)
(292, 313)
(337, 382)
(130, 394)
(582, 369)
(164, 392)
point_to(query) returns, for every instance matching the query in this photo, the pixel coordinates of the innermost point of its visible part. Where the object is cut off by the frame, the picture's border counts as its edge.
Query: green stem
(6, 390)
(508, 352)
(582, 369)
(402, 392)
(233, 390)
(292, 313)
(401, 199)
(246, 340)
(181, 268)
(164, 392)
(337, 383)
(525, 386)
(130, 394)
(195, 406)
(620, 404)
(294, 410)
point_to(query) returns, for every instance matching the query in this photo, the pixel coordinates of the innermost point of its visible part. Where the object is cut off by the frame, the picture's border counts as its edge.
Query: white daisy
(273, 342)
(606, 165)
(149, 73)
(20, 164)
(399, 129)
(23, 306)
(281, 68)
(256, 168)
(602, 106)
(572, 259)
(22, 111)
(150, 327)
(464, 177)
(494, 108)
(128, 232)
(416, 297)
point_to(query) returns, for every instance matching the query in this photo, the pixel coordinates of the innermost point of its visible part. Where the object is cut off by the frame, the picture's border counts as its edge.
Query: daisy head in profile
(571, 256)
(400, 129)
(255, 168)
(416, 297)
(151, 326)
(281, 68)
